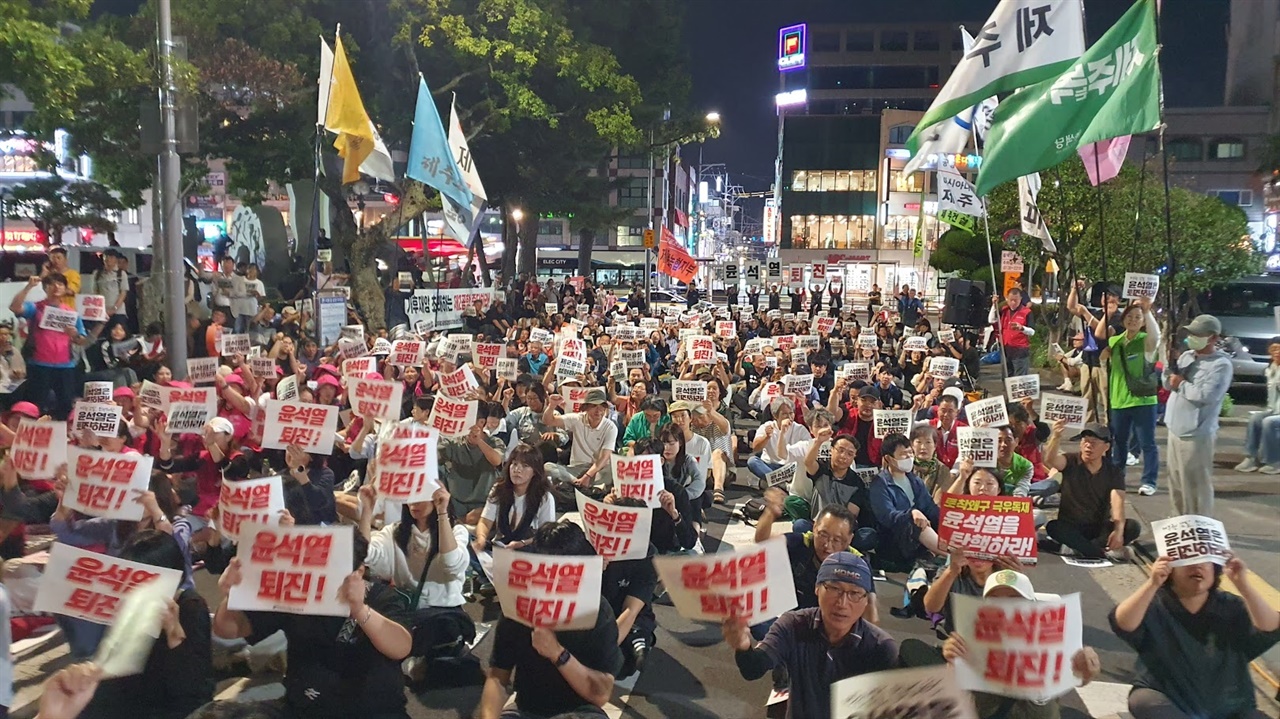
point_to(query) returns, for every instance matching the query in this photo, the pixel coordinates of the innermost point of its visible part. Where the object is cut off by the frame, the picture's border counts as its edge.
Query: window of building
(904, 183)
(551, 228)
(899, 232)
(1187, 149)
(1227, 149)
(633, 162)
(630, 235)
(825, 41)
(894, 40)
(898, 134)
(1239, 198)
(634, 192)
(860, 41)
(927, 40)
(833, 181)
(832, 232)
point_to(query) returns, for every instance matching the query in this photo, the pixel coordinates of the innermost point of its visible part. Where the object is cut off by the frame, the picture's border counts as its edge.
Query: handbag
(1144, 385)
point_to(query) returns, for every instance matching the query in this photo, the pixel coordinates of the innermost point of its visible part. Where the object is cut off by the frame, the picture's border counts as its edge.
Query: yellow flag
(347, 117)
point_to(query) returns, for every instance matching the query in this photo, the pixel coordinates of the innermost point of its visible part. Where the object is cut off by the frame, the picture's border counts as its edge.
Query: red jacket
(849, 425)
(948, 449)
(1009, 336)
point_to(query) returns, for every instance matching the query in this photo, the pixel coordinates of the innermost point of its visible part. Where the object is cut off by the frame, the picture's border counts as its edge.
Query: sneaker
(1131, 460)
(1248, 465)
(1065, 551)
(1147, 490)
(1065, 387)
(1270, 469)
(352, 482)
(1123, 554)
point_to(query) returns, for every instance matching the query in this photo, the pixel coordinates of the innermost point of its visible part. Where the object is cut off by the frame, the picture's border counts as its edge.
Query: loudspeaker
(965, 303)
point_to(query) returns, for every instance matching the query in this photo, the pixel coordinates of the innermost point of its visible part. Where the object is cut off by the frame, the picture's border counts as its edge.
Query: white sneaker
(1065, 551)
(1248, 465)
(1123, 554)
(1271, 469)
(1131, 460)
(1146, 490)
(1065, 387)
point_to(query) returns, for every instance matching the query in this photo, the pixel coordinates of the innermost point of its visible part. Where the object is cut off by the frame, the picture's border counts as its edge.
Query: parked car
(1246, 309)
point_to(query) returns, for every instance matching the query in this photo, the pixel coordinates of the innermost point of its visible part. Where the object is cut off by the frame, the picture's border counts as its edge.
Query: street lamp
(713, 118)
(517, 214)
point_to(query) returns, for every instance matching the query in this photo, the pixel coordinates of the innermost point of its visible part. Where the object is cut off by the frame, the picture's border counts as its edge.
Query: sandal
(717, 496)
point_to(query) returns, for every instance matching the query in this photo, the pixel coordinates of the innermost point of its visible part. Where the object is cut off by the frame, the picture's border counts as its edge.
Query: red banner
(989, 527)
(675, 261)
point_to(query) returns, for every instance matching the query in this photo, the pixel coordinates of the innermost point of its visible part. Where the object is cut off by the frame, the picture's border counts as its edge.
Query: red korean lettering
(84, 601)
(85, 570)
(520, 575)
(989, 625)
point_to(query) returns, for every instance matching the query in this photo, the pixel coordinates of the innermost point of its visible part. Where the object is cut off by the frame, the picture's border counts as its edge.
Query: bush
(1228, 406)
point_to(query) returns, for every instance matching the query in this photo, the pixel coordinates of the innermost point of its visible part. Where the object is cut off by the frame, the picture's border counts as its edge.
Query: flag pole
(312, 232)
(1102, 224)
(1137, 216)
(986, 226)
(1171, 294)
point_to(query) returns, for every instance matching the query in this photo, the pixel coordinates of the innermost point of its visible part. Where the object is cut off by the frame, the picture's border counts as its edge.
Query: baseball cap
(221, 424)
(27, 409)
(869, 391)
(1203, 326)
(327, 379)
(848, 568)
(233, 378)
(1094, 429)
(595, 395)
(1017, 581)
(123, 392)
(685, 405)
(955, 392)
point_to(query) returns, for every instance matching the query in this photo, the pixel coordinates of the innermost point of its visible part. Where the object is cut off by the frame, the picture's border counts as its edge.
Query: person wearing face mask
(905, 513)
(1197, 382)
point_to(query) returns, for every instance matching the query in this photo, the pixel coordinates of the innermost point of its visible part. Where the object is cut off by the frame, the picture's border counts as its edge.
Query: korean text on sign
(689, 390)
(755, 583)
(408, 468)
(552, 591)
(310, 426)
(91, 586)
(293, 569)
(988, 527)
(978, 445)
(891, 421)
(103, 420)
(249, 501)
(924, 693)
(639, 477)
(106, 484)
(452, 418)
(987, 413)
(39, 448)
(617, 533)
(1018, 648)
(1054, 407)
(375, 398)
(1191, 539)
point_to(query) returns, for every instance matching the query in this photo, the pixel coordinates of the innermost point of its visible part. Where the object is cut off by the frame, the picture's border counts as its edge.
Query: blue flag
(430, 160)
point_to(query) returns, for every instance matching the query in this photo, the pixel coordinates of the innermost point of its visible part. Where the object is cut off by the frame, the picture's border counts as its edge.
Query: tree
(55, 205)
(964, 254)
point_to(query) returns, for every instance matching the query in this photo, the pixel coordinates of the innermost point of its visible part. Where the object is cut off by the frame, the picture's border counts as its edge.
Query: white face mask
(1197, 343)
(906, 465)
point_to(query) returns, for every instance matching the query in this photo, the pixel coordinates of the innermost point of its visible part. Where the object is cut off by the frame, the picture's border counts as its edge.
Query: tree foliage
(54, 205)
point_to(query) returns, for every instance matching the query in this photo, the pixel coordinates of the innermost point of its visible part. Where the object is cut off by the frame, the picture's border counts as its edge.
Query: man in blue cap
(821, 644)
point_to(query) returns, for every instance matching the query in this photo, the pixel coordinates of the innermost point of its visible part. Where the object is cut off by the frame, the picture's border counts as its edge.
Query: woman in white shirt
(773, 438)
(506, 518)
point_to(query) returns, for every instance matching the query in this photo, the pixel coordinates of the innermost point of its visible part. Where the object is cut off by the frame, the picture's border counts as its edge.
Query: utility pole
(171, 204)
(648, 254)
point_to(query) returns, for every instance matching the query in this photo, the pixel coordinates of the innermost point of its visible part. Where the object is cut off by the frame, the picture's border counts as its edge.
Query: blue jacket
(891, 505)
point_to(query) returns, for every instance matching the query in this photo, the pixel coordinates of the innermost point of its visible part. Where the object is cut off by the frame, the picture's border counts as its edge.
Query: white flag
(955, 193)
(455, 224)
(378, 164)
(951, 136)
(1022, 43)
(1032, 221)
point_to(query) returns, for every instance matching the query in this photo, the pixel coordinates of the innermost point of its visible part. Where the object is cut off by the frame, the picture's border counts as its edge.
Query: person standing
(1133, 405)
(1197, 383)
(691, 295)
(1262, 439)
(1013, 322)
(873, 302)
(113, 284)
(52, 365)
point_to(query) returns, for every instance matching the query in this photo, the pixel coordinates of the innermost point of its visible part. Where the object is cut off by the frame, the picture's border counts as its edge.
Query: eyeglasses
(855, 596)
(828, 539)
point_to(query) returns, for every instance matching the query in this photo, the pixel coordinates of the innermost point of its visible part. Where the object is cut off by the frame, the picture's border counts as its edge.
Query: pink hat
(26, 409)
(374, 375)
(180, 384)
(326, 379)
(329, 369)
(123, 392)
(233, 378)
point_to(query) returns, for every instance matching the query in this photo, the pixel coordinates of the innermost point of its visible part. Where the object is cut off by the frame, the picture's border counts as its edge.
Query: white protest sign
(1025, 386)
(359, 366)
(98, 392)
(916, 344)
(262, 367)
(633, 358)
(407, 353)
(1138, 285)
(978, 444)
(353, 332)
(377, 398)
(453, 418)
(618, 369)
(1017, 647)
(797, 383)
(799, 356)
(1010, 261)
(570, 367)
(890, 421)
(287, 388)
(783, 475)
(688, 390)
(753, 583)
(350, 348)
(103, 420)
(201, 395)
(552, 591)
(310, 426)
(943, 367)
(235, 344)
(824, 325)
(459, 382)
(106, 484)
(946, 336)
(252, 501)
(1191, 539)
(809, 342)
(92, 308)
(727, 329)
(297, 570)
(616, 533)
(408, 465)
(508, 368)
(858, 371)
(538, 334)
(487, 355)
(924, 693)
(702, 350)
(1054, 407)
(39, 448)
(151, 395)
(202, 370)
(639, 477)
(868, 342)
(187, 417)
(988, 412)
(58, 319)
(91, 586)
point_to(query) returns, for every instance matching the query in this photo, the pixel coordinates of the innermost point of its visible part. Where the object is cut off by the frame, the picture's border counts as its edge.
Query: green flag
(1112, 90)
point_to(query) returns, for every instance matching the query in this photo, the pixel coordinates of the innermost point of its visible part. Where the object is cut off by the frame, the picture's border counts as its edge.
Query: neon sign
(791, 47)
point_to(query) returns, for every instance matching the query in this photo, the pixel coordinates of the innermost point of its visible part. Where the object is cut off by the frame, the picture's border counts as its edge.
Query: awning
(438, 247)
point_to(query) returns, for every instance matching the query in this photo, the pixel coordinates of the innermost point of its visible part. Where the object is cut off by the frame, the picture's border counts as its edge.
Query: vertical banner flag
(1029, 209)
(378, 164)
(296, 569)
(552, 591)
(1022, 43)
(674, 260)
(453, 215)
(1102, 159)
(430, 160)
(951, 136)
(345, 115)
(1017, 647)
(1113, 89)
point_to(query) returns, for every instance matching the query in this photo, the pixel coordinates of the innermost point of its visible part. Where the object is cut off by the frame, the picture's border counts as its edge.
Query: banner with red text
(988, 527)
(754, 583)
(310, 426)
(295, 569)
(617, 533)
(552, 591)
(1018, 648)
(408, 465)
(249, 501)
(106, 484)
(376, 398)
(639, 477)
(452, 418)
(39, 448)
(90, 586)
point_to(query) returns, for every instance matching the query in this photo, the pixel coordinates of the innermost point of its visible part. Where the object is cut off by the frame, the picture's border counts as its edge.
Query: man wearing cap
(857, 421)
(819, 645)
(1197, 383)
(592, 439)
(1091, 521)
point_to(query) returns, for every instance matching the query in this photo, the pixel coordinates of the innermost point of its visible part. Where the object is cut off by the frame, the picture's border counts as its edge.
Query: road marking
(1260, 585)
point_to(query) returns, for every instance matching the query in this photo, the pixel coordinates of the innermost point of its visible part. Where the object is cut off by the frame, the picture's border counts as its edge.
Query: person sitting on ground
(469, 465)
(819, 645)
(934, 473)
(856, 417)
(646, 423)
(696, 448)
(628, 586)
(1014, 469)
(773, 437)
(1195, 641)
(1091, 522)
(675, 520)
(906, 515)
(946, 422)
(593, 440)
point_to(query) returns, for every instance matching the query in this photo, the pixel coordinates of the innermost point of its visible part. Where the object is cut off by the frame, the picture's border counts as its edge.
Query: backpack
(753, 509)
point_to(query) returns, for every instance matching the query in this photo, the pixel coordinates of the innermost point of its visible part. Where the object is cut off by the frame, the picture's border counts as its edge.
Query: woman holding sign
(1132, 397)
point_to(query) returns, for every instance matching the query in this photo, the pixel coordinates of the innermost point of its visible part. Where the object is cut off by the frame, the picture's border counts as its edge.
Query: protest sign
(98, 392)
(1054, 407)
(988, 527)
(187, 417)
(39, 448)
(650, 324)
(92, 308)
(1017, 647)
(310, 426)
(103, 420)
(924, 693)
(702, 350)
(783, 475)
(262, 367)
(235, 344)
(890, 421)
(106, 484)
(91, 586)
(538, 334)
(1011, 261)
(688, 390)
(381, 347)
(639, 477)
(916, 344)
(202, 370)
(809, 342)
(771, 391)
(753, 583)
(457, 345)
(573, 398)
(151, 395)
(946, 336)
(459, 382)
(408, 465)
(799, 356)
(616, 533)
(377, 398)
(859, 371)
(634, 359)
(785, 343)
(352, 332)
(570, 367)
(552, 591)
(359, 366)
(1025, 386)
(252, 501)
(978, 444)
(943, 367)
(824, 325)
(297, 570)
(1190, 539)
(618, 369)
(508, 368)
(798, 383)
(727, 329)
(487, 355)
(868, 342)
(349, 348)
(287, 388)
(1138, 285)
(407, 353)
(201, 395)
(453, 418)
(988, 412)
(58, 319)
